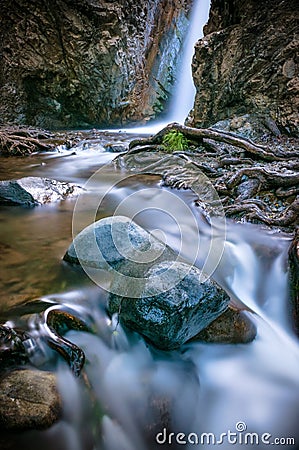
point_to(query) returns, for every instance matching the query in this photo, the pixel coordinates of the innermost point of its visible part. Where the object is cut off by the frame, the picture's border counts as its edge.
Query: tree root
(256, 182)
(22, 141)
(254, 212)
(271, 177)
(287, 192)
(199, 134)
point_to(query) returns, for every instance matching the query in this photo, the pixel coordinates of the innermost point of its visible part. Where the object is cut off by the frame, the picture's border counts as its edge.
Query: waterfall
(184, 89)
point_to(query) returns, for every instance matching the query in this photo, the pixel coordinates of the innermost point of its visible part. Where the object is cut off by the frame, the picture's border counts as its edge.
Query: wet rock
(12, 349)
(88, 62)
(250, 126)
(115, 147)
(174, 304)
(31, 191)
(119, 243)
(29, 400)
(232, 327)
(237, 57)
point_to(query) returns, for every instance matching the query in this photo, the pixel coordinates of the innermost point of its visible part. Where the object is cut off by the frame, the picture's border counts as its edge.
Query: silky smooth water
(131, 396)
(130, 393)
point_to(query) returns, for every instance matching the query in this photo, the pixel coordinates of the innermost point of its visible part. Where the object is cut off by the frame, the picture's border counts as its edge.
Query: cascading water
(184, 92)
(131, 396)
(135, 395)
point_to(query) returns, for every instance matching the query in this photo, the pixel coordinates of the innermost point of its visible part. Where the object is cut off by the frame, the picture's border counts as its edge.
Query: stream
(243, 395)
(131, 396)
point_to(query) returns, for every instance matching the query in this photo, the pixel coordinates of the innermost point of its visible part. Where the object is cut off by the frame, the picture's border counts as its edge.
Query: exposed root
(253, 212)
(255, 182)
(199, 134)
(287, 192)
(271, 177)
(22, 141)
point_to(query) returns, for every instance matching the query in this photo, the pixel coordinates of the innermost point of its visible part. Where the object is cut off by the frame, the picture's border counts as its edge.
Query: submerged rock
(232, 327)
(174, 305)
(31, 191)
(29, 400)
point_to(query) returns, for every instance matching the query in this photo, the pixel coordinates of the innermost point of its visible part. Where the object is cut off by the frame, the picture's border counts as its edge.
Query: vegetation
(174, 141)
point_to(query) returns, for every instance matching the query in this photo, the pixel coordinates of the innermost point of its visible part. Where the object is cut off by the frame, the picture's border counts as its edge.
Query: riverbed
(132, 396)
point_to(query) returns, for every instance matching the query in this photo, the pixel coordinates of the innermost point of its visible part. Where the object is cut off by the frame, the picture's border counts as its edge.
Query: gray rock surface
(164, 299)
(119, 243)
(88, 62)
(31, 191)
(247, 63)
(176, 303)
(29, 400)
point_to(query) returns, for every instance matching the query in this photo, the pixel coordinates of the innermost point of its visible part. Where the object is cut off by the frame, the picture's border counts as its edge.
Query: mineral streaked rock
(247, 64)
(67, 64)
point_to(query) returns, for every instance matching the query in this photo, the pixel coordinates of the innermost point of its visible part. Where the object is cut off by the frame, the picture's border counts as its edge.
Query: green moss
(174, 140)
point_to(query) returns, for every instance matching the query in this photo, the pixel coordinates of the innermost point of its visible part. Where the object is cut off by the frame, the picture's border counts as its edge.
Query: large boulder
(164, 299)
(29, 399)
(32, 191)
(175, 304)
(117, 243)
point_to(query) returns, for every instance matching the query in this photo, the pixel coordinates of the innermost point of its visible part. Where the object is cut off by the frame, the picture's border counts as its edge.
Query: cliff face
(71, 63)
(247, 63)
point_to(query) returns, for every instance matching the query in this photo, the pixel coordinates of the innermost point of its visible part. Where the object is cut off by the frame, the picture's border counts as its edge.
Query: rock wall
(247, 63)
(70, 63)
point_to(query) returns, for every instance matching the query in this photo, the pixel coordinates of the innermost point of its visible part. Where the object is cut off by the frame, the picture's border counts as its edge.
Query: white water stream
(184, 89)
